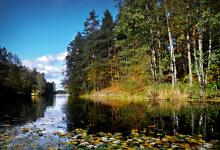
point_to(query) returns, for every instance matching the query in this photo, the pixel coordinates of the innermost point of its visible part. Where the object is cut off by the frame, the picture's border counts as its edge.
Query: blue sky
(40, 30)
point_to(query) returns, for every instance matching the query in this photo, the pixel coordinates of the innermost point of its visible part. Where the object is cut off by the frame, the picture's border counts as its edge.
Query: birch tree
(171, 47)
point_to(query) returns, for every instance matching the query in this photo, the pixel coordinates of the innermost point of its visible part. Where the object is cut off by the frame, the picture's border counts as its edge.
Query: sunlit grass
(152, 92)
(149, 93)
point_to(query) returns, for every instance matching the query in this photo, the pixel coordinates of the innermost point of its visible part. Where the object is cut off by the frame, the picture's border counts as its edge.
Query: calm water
(58, 113)
(165, 118)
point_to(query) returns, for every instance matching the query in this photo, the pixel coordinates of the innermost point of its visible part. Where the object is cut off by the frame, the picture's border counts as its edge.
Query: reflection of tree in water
(16, 110)
(162, 118)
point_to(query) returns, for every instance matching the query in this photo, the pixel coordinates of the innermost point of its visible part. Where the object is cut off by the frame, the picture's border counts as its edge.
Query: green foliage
(16, 78)
(134, 51)
(88, 55)
(214, 72)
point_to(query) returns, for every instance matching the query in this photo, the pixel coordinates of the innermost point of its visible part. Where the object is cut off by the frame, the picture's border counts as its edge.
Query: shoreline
(176, 95)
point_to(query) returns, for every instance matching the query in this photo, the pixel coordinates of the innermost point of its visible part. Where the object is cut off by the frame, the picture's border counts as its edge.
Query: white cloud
(61, 56)
(52, 66)
(46, 59)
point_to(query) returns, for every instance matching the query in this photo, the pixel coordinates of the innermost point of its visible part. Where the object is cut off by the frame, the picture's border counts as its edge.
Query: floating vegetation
(80, 139)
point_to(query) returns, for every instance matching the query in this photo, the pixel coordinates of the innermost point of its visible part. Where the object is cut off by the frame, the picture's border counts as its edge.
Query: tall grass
(132, 91)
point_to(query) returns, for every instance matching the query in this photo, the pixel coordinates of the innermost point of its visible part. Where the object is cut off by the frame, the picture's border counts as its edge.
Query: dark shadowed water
(155, 118)
(19, 110)
(38, 112)
(58, 113)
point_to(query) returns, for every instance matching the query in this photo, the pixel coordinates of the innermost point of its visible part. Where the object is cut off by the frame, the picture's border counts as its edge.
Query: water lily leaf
(24, 130)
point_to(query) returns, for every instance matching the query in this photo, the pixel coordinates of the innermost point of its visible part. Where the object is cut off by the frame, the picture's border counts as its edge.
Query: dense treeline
(89, 55)
(150, 42)
(18, 79)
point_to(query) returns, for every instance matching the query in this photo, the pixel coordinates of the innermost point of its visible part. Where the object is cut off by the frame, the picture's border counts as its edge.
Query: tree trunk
(158, 52)
(154, 64)
(189, 62)
(151, 68)
(173, 60)
(195, 55)
(153, 53)
(201, 67)
(160, 68)
(210, 54)
(189, 54)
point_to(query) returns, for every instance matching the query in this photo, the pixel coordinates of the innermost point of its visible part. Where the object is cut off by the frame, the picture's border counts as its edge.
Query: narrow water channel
(54, 118)
(43, 113)
(35, 123)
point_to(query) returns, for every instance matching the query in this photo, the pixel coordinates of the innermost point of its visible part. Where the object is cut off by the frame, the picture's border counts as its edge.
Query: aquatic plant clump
(80, 139)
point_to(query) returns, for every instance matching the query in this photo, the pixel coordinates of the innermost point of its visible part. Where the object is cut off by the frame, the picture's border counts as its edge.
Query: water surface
(54, 118)
(155, 118)
(60, 113)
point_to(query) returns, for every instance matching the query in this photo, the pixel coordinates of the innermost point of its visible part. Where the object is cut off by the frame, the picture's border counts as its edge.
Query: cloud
(53, 66)
(46, 59)
(61, 56)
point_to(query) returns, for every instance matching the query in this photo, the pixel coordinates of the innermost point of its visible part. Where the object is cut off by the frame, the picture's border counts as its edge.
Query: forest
(153, 47)
(16, 79)
(143, 75)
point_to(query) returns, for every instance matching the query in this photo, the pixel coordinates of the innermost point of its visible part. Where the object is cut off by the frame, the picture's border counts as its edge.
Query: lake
(59, 113)
(162, 118)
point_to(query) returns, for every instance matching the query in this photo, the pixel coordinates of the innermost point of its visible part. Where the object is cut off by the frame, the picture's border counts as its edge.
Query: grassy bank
(155, 92)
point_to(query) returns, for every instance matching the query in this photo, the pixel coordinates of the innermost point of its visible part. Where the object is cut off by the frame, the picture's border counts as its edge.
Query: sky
(39, 31)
